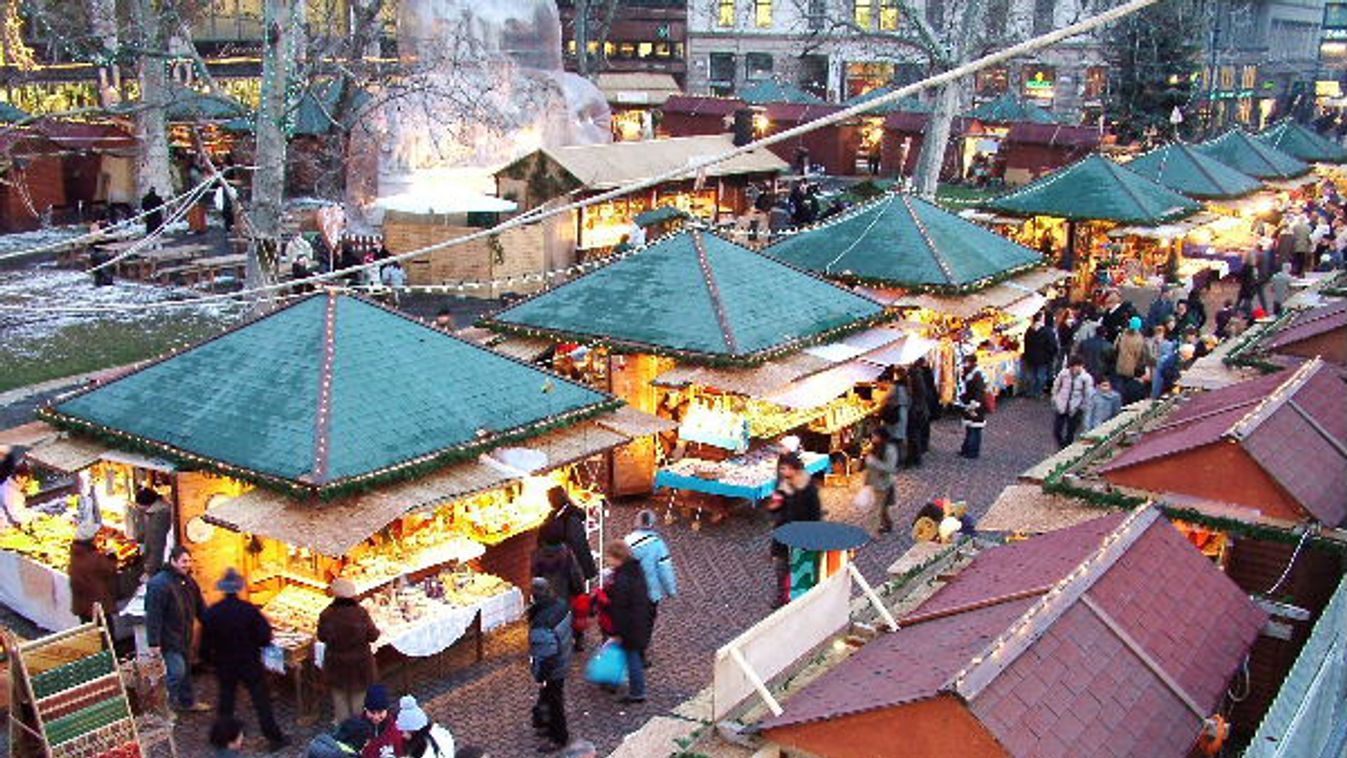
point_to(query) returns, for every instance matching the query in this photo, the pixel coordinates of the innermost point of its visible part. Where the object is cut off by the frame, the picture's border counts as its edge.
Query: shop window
(1096, 83)
(888, 15)
(762, 13)
(626, 50)
(1043, 15)
(990, 82)
(678, 50)
(1227, 77)
(722, 73)
(725, 13)
(866, 76)
(571, 47)
(663, 50)
(645, 49)
(1248, 77)
(816, 15)
(813, 73)
(757, 66)
(864, 13)
(908, 73)
(1040, 82)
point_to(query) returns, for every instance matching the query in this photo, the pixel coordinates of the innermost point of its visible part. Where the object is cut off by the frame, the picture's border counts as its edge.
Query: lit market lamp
(818, 550)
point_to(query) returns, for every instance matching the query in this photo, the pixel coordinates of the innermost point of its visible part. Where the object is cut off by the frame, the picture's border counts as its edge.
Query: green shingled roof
(903, 105)
(1243, 152)
(399, 396)
(1306, 144)
(905, 241)
(1183, 169)
(695, 296)
(772, 91)
(1009, 109)
(1096, 189)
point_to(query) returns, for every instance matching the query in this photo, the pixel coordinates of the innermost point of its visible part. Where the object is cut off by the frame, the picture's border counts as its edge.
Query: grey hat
(232, 582)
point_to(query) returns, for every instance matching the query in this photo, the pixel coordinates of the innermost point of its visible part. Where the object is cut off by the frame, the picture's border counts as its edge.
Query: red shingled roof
(699, 105)
(1311, 323)
(1067, 681)
(1053, 135)
(1293, 424)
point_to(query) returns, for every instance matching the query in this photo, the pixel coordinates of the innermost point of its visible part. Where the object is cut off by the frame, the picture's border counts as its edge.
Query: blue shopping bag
(608, 666)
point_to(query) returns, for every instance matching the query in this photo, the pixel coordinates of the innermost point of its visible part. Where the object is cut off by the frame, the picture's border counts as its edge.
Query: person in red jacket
(387, 740)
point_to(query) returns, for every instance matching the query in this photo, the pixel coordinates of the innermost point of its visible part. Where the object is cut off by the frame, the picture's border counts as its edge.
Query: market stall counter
(751, 477)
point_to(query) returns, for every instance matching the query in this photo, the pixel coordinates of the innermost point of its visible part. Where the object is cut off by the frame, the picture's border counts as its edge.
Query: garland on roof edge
(396, 474)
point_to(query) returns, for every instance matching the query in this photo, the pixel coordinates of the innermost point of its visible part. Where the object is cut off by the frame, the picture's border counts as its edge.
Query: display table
(434, 633)
(36, 591)
(751, 477)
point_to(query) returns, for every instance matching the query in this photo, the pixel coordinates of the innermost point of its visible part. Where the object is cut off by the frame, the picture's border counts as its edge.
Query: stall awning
(69, 454)
(757, 381)
(1000, 296)
(333, 528)
(905, 352)
(825, 386)
(1165, 231)
(634, 423)
(29, 435)
(637, 87)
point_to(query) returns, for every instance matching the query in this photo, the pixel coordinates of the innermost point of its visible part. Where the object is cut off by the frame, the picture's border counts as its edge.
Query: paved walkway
(725, 588)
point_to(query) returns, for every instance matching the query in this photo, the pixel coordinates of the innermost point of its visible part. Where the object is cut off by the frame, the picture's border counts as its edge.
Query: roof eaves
(1249, 422)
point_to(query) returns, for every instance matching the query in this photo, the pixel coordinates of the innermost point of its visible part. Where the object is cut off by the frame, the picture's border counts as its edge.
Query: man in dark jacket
(151, 518)
(173, 603)
(572, 519)
(1040, 345)
(629, 607)
(153, 207)
(550, 656)
(796, 499)
(233, 633)
(973, 400)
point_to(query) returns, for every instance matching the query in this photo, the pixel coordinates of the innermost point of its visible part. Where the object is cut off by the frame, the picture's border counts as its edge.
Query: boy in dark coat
(173, 603)
(973, 401)
(233, 633)
(631, 612)
(550, 656)
(348, 662)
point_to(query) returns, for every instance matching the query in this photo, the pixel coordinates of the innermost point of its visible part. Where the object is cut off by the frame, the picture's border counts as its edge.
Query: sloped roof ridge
(1249, 422)
(936, 255)
(323, 415)
(1189, 153)
(1001, 652)
(1122, 178)
(713, 289)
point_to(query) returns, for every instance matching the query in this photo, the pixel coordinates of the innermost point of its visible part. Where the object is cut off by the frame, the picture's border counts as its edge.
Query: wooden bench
(201, 270)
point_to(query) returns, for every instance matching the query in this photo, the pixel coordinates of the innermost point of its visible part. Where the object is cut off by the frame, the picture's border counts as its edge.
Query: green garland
(943, 290)
(1250, 340)
(403, 472)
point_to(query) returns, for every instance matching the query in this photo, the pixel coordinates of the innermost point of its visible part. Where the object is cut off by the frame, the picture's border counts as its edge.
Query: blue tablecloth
(813, 462)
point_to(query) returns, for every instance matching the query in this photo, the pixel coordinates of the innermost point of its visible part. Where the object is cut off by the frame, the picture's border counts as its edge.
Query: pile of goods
(770, 420)
(387, 560)
(293, 614)
(491, 518)
(46, 539)
(400, 607)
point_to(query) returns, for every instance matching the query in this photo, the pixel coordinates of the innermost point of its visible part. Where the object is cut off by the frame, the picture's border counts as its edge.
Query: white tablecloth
(434, 633)
(35, 591)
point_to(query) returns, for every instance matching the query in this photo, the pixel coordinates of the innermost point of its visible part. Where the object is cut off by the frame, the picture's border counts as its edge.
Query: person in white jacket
(1071, 392)
(421, 737)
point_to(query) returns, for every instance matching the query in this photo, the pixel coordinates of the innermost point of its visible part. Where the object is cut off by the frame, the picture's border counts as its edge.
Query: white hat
(791, 443)
(410, 716)
(86, 531)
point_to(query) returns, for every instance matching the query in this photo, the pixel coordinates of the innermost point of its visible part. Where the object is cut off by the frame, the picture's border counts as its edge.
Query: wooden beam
(1145, 657)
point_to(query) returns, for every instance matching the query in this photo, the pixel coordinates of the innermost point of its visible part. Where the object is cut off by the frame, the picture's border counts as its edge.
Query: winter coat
(1103, 406)
(347, 631)
(550, 640)
(440, 744)
(896, 408)
(629, 606)
(233, 633)
(386, 735)
(1092, 351)
(974, 399)
(1115, 321)
(326, 746)
(151, 525)
(557, 564)
(880, 468)
(656, 562)
(172, 603)
(1071, 393)
(801, 505)
(1040, 345)
(1161, 309)
(1281, 287)
(1131, 353)
(93, 579)
(577, 539)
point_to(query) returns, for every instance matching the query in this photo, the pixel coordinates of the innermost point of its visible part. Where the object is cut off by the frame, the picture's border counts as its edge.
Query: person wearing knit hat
(386, 740)
(233, 634)
(656, 561)
(422, 737)
(151, 520)
(348, 739)
(347, 631)
(93, 576)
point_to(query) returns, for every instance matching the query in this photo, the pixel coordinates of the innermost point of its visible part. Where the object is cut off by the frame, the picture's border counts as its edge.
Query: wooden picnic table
(143, 265)
(208, 269)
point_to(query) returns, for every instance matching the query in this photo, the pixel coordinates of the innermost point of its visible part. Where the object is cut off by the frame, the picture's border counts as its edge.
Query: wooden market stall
(1246, 153)
(732, 346)
(337, 439)
(1073, 209)
(967, 288)
(698, 115)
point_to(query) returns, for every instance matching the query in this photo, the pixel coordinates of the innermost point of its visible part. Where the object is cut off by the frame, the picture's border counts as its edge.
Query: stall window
(1096, 82)
(762, 13)
(1248, 77)
(722, 73)
(993, 81)
(757, 66)
(813, 72)
(863, 13)
(663, 50)
(888, 15)
(645, 49)
(725, 13)
(571, 47)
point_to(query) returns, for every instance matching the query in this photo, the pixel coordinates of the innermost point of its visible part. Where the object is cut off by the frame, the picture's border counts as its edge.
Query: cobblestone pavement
(725, 587)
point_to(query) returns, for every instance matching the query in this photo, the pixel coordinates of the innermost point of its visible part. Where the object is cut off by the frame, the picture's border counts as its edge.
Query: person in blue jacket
(652, 553)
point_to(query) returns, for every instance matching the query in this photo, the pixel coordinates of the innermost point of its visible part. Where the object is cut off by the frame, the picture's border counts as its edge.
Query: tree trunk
(926, 177)
(152, 164)
(363, 43)
(283, 44)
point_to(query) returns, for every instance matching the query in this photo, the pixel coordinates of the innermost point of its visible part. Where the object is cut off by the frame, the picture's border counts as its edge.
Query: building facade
(643, 36)
(1260, 57)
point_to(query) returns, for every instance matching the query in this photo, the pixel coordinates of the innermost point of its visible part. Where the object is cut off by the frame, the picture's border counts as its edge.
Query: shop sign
(1041, 84)
(1330, 88)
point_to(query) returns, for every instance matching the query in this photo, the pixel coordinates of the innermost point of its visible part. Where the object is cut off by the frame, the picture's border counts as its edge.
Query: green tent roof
(1009, 109)
(772, 91)
(328, 392)
(1306, 144)
(696, 296)
(186, 104)
(1243, 152)
(1096, 189)
(903, 105)
(1184, 169)
(659, 215)
(313, 114)
(11, 115)
(905, 241)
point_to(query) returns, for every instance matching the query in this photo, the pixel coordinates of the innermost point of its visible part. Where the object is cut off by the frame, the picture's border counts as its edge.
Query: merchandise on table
(844, 412)
(46, 539)
(293, 614)
(768, 420)
(395, 609)
(718, 426)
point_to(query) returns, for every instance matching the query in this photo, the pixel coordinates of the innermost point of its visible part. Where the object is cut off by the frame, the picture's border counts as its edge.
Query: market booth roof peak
(330, 394)
(696, 296)
(1303, 143)
(1184, 169)
(901, 240)
(902, 105)
(1010, 109)
(1244, 152)
(772, 91)
(1097, 189)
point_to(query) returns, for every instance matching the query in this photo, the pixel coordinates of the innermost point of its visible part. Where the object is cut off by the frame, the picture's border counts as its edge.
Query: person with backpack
(346, 740)
(550, 658)
(656, 561)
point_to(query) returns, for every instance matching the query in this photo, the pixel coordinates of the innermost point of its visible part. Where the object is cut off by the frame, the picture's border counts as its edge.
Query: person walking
(151, 520)
(796, 499)
(93, 576)
(173, 603)
(1104, 404)
(652, 552)
(348, 739)
(1130, 349)
(347, 631)
(629, 607)
(1040, 345)
(554, 561)
(226, 738)
(1281, 288)
(881, 469)
(422, 737)
(550, 659)
(233, 634)
(918, 418)
(1071, 392)
(973, 401)
(572, 522)
(896, 412)
(152, 205)
(385, 740)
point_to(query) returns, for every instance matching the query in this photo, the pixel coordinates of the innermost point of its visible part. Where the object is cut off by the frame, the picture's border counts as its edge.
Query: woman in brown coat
(347, 631)
(93, 576)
